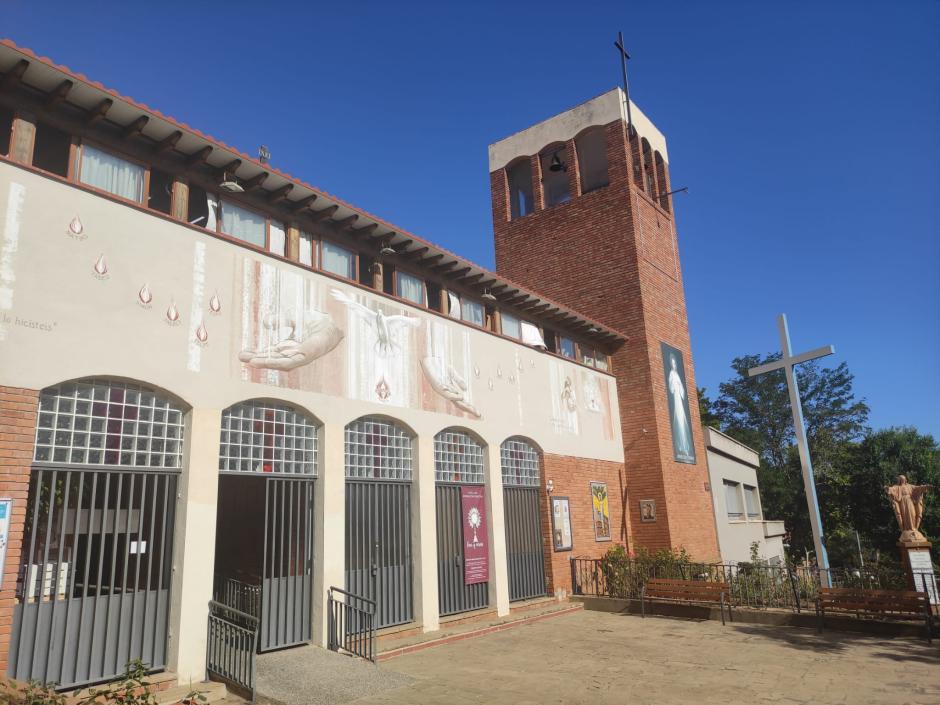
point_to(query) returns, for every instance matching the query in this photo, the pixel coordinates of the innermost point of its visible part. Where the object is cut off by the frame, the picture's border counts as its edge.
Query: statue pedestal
(915, 557)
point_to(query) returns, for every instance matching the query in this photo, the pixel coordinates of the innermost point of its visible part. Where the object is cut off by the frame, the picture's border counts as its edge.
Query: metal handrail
(351, 626)
(238, 613)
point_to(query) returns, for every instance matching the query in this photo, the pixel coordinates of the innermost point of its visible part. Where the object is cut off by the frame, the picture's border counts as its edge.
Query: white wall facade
(738, 529)
(137, 296)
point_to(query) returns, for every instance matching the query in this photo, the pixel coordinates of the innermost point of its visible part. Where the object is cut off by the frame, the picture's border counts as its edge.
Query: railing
(752, 585)
(238, 595)
(351, 624)
(231, 646)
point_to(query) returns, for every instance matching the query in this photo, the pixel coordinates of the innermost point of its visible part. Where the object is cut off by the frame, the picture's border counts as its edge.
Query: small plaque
(561, 524)
(922, 572)
(648, 510)
(6, 511)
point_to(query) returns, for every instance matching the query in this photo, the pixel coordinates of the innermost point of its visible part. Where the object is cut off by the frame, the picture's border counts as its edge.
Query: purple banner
(476, 548)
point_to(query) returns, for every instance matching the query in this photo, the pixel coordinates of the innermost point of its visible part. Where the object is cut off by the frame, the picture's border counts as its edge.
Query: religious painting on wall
(601, 511)
(561, 524)
(648, 510)
(677, 394)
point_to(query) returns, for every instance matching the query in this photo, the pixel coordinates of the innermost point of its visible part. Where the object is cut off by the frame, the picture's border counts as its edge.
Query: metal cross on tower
(624, 56)
(787, 363)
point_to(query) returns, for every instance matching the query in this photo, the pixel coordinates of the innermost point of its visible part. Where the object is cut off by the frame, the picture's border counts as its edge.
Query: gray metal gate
(378, 518)
(287, 583)
(458, 461)
(94, 582)
(264, 535)
(521, 513)
(453, 595)
(378, 548)
(93, 587)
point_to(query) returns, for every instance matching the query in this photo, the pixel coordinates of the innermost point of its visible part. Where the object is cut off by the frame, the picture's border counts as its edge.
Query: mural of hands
(320, 335)
(447, 382)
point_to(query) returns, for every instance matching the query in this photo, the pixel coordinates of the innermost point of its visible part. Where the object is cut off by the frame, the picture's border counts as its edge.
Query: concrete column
(329, 562)
(424, 536)
(194, 546)
(499, 571)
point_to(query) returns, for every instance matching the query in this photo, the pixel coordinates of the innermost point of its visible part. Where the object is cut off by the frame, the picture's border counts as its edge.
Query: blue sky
(807, 134)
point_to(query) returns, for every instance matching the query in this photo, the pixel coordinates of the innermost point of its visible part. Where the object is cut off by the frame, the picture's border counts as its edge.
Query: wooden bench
(883, 604)
(691, 591)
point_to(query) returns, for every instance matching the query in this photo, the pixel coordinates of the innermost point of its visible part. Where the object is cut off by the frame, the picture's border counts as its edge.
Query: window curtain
(733, 500)
(241, 223)
(454, 304)
(510, 326)
(338, 261)
(306, 249)
(112, 174)
(410, 288)
(277, 239)
(472, 312)
(531, 335)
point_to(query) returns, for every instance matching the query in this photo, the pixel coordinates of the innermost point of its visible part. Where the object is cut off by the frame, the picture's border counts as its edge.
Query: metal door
(378, 547)
(94, 582)
(287, 574)
(453, 595)
(526, 560)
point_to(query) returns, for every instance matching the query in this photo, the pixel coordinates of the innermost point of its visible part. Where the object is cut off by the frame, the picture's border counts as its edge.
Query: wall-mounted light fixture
(684, 189)
(231, 185)
(550, 486)
(487, 296)
(387, 250)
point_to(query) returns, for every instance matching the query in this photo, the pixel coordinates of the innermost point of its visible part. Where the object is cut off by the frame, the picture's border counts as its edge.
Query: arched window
(649, 180)
(554, 163)
(592, 159)
(261, 436)
(661, 178)
(520, 463)
(104, 422)
(521, 201)
(458, 457)
(378, 449)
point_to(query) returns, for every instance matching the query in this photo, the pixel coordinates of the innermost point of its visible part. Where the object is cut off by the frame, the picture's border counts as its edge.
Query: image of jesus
(682, 434)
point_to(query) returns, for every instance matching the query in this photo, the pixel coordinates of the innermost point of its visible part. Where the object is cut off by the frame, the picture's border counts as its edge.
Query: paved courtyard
(596, 657)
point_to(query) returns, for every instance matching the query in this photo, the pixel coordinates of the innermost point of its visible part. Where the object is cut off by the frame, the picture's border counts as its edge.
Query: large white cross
(787, 363)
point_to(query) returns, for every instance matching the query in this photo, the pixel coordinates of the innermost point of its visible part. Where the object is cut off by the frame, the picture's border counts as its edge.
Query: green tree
(756, 411)
(705, 410)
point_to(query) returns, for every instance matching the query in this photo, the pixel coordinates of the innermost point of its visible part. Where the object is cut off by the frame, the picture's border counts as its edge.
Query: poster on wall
(561, 524)
(6, 510)
(677, 394)
(476, 550)
(601, 506)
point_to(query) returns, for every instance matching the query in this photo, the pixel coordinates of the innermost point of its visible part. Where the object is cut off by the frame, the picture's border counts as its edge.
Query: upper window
(307, 251)
(339, 260)
(566, 347)
(203, 208)
(592, 160)
(277, 238)
(100, 422)
(751, 503)
(112, 174)
(243, 224)
(472, 312)
(520, 188)
(409, 287)
(458, 457)
(520, 463)
(733, 500)
(511, 325)
(555, 176)
(378, 449)
(649, 180)
(160, 196)
(6, 129)
(51, 149)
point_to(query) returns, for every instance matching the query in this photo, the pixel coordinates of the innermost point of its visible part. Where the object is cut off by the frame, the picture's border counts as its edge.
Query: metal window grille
(458, 457)
(378, 449)
(520, 463)
(268, 438)
(103, 422)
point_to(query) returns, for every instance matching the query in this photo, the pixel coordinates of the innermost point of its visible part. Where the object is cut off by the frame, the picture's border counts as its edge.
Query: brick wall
(612, 254)
(18, 408)
(572, 478)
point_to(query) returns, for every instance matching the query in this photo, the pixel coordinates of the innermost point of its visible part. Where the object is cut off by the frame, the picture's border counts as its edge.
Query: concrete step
(212, 692)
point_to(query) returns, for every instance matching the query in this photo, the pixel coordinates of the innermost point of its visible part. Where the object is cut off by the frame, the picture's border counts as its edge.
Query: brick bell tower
(580, 214)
